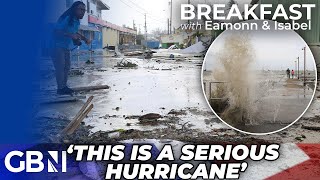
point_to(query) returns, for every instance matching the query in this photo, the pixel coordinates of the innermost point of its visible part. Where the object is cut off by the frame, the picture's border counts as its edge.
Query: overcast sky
(124, 12)
(158, 11)
(274, 50)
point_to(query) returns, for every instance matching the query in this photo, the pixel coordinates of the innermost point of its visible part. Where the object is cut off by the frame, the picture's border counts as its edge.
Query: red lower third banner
(307, 170)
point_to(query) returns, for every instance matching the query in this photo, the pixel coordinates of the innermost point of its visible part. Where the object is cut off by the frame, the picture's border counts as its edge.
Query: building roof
(103, 5)
(99, 21)
(88, 28)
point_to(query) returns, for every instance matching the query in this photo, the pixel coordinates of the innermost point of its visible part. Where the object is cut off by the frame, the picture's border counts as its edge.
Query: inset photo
(259, 82)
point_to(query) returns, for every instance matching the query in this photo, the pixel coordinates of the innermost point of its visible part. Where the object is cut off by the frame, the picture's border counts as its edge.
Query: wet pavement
(286, 102)
(154, 86)
(278, 102)
(169, 88)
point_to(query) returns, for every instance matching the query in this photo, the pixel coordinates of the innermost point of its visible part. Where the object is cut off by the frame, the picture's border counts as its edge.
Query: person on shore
(292, 73)
(288, 73)
(65, 36)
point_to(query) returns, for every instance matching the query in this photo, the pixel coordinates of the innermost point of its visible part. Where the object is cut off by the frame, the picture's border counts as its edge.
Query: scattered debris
(173, 47)
(148, 54)
(196, 48)
(212, 120)
(299, 138)
(183, 127)
(74, 124)
(314, 128)
(108, 116)
(114, 135)
(101, 70)
(149, 117)
(126, 64)
(134, 53)
(177, 112)
(133, 117)
(90, 88)
(89, 62)
(76, 72)
(175, 125)
(57, 99)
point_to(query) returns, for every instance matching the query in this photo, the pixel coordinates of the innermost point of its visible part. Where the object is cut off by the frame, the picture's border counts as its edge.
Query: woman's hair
(71, 12)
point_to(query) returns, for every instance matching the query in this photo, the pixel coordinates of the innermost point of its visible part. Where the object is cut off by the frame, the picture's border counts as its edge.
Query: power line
(161, 21)
(150, 14)
(137, 6)
(131, 7)
(142, 13)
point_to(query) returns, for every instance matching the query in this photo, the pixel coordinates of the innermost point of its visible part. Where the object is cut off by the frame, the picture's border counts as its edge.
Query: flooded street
(166, 87)
(176, 89)
(170, 89)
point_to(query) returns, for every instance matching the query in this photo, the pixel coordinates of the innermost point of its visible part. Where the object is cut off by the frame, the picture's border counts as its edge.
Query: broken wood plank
(90, 88)
(79, 120)
(314, 128)
(57, 100)
(74, 121)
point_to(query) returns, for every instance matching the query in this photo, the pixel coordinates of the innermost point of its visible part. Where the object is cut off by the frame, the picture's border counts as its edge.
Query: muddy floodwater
(278, 101)
(154, 86)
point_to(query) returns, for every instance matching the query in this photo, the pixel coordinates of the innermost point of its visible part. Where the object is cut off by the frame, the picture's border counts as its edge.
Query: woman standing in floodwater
(66, 33)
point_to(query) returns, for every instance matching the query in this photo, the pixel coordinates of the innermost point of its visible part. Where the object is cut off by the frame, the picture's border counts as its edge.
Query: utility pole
(298, 68)
(139, 32)
(135, 29)
(171, 18)
(188, 3)
(295, 67)
(145, 26)
(133, 25)
(304, 66)
(168, 26)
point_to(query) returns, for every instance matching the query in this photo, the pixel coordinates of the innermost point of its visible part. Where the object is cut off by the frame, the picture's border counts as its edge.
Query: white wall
(110, 37)
(94, 8)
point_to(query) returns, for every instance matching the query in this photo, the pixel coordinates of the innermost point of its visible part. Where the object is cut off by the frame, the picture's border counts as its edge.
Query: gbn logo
(34, 161)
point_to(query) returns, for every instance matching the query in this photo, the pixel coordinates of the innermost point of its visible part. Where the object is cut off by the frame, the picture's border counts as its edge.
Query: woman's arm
(88, 41)
(65, 34)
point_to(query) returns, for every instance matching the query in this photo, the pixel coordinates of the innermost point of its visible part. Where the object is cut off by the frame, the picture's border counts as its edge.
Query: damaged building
(92, 26)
